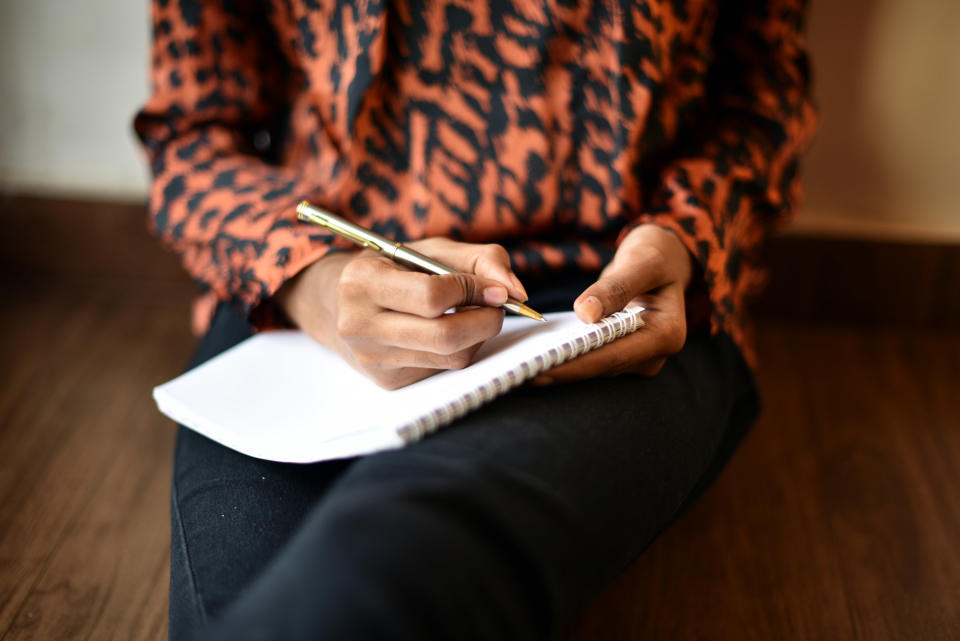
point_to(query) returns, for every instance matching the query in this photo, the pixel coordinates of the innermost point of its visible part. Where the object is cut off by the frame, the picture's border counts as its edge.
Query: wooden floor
(839, 517)
(85, 460)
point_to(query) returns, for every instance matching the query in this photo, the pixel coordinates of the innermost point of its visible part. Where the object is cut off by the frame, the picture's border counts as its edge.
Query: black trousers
(500, 526)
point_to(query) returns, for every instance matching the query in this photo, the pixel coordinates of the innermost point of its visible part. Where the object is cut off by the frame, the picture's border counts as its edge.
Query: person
(587, 153)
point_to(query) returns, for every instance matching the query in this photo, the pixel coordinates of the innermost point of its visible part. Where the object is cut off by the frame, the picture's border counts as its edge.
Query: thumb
(606, 296)
(616, 287)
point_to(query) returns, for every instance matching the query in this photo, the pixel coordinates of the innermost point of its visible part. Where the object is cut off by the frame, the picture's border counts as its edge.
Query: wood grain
(837, 519)
(895, 284)
(84, 460)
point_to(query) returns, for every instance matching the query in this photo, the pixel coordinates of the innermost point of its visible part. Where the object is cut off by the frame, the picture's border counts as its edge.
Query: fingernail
(592, 306)
(494, 295)
(520, 288)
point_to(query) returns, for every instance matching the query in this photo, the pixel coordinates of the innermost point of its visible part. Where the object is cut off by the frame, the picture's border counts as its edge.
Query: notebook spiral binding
(604, 331)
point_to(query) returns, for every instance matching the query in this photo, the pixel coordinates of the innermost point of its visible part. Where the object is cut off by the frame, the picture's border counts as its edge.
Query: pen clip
(363, 242)
(308, 216)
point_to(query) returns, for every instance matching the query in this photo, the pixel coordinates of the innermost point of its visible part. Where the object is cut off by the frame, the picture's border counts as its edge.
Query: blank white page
(281, 396)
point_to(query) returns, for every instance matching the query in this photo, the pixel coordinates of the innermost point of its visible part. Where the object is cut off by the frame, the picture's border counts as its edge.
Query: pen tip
(532, 314)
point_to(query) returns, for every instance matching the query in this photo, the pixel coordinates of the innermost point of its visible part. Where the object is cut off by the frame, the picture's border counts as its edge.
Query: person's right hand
(389, 322)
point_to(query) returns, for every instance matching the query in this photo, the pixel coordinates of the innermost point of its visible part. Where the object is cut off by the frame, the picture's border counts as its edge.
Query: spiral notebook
(283, 397)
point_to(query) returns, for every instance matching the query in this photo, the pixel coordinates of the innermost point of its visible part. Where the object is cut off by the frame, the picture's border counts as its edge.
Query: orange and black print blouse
(548, 126)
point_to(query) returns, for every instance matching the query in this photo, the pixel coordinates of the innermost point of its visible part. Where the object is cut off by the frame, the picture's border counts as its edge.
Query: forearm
(217, 198)
(736, 176)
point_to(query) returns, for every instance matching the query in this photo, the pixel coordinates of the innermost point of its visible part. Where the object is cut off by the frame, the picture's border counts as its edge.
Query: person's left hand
(651, 268)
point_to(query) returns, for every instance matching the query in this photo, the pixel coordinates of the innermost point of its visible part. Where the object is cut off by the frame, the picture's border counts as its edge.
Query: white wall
(886, 161)
(72, 74)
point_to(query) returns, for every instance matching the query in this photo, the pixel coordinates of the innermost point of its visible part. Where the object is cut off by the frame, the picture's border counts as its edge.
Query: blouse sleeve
(220, 86)
(738, 176)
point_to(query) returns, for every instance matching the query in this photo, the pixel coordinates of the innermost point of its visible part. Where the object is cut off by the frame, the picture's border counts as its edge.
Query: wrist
(309, 298)
(677, 259)
(683, 258)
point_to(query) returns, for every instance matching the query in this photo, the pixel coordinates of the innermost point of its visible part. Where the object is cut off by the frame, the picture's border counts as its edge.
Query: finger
(388, 286)
(664, 333)
(650, 367)
(488, 260)
(447, 334)
(396, 378)
(623, 280)
(380, 361)
(610, 360)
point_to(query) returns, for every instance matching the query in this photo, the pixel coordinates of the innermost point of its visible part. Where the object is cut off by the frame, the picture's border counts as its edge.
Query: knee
(476, 547)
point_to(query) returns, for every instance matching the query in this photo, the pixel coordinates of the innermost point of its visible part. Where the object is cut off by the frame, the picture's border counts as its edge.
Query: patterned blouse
(548, 126)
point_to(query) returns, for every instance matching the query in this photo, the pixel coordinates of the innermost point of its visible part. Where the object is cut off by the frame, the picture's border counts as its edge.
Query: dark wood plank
(84, 460)
(81, 238)
(900, 284)
(838, 517)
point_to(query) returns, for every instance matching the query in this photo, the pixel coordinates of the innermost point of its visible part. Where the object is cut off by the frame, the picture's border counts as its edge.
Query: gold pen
(395, 251)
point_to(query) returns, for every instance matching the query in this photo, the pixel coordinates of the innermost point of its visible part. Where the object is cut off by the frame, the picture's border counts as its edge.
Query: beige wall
(886, 160)
(71, 76)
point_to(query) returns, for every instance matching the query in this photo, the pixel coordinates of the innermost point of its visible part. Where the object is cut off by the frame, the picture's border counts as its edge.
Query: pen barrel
(415, 260)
